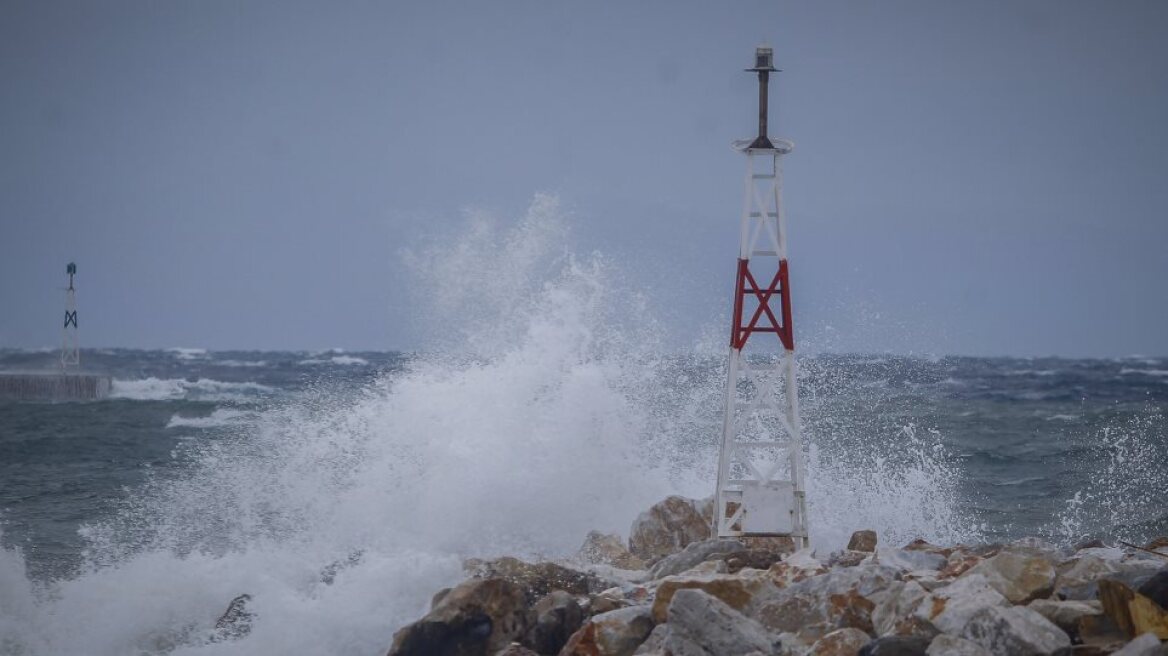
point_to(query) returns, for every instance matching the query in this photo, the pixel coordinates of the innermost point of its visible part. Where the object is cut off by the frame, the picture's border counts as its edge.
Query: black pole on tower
(764, 64)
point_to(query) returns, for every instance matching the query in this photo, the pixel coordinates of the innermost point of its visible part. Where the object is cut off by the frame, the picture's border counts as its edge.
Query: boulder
(1157, 543)
(848, 558)
(701, 625)
(476, 618)
(666, 528)
(799, 566)
(553, 619)
(615, 633)
(1146, 644)
(751, 558)
(1066, 615)
(1131, 611)
(837, 599)
(890, 613)
(1078, 577)
(654, 645)
(693, 554)
(896, 646)
(863, 541)
(601, 549)
(606, 600)
(537, 579)
(911, 559)
(1020, 576)
(841, 642)
(948, 645)
(1015, 630)
(924, 545)
(951, 607)
(736, 590)
(1156, 588)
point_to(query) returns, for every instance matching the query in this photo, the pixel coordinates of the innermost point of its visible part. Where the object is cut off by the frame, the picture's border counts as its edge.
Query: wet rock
(1157, 543)
(1156, 588)
(554, 618)
(1066, 615)
(438, 597)
(737, 591)
(1078, 577)
(701, 625)
(615, 633)
(911, 559)
(897, 606)
(1094, 543)
(924, 545)
(799, 566)
(666, 528)
(475, 618)
(837, 599)
(693, 554)
(848, 558)
(654, 645)
(863, 541)
(1019, 576)
(751, 558)
(1015, 630)
(606, 600)
(959, 562)
(947, 645)
(1131, 611)
(235, 622)
(537, 579)
(950, 608)
(601, 549)
(841, 642)
(896, 646)
(1146, 644)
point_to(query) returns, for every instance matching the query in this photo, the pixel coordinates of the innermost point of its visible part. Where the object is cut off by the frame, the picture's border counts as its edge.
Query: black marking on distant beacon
(764, 64)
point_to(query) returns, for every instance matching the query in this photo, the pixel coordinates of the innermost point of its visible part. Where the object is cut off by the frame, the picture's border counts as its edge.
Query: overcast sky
(976, 178)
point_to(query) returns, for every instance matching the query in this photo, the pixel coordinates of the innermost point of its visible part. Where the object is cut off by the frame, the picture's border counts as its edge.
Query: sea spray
(546, 409)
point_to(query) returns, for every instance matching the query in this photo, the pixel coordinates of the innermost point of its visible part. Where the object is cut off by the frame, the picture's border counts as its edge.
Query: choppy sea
(128, 524)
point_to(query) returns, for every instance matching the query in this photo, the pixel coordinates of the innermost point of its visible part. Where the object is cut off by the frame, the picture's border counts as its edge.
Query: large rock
(841, 642)
(893, 614)
(702, 625)
(911, 559)
(601, 549)
(736, 590)
(1145, 645)
(694, 554)
(1134, 613)
(950, 608)
(838, 599)
(896, 646)
(947, 645)
(477, 618)
(1066, 615)
(667, 528)
(1020, 576)
(1014, 630)
(553, 619)
(799, 566)
(863, 541)
(1156, 588)
(615, 633)
(1078, 577)
(537, 579)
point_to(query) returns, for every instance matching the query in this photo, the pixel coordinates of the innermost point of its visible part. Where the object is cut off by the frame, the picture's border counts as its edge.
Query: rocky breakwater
(673, 590)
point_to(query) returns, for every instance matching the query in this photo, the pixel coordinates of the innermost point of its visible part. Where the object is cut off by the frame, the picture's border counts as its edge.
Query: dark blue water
(1063, 448)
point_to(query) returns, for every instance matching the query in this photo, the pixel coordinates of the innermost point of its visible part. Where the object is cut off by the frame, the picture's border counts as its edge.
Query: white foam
(553, 419)
(218, 418)
(174, 389)
(182, 353)
(343, 360)
(1143, 372)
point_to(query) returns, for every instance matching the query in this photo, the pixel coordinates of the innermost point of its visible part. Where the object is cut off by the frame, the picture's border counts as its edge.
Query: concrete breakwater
(53, 386)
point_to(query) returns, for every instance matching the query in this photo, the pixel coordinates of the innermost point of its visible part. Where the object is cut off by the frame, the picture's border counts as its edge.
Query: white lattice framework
(761, 488)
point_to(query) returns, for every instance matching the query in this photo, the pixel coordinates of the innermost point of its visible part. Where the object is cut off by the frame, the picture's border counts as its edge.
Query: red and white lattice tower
(760, 470)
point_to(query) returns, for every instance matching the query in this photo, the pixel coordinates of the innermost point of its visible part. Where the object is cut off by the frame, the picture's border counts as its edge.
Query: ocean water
(128, 524)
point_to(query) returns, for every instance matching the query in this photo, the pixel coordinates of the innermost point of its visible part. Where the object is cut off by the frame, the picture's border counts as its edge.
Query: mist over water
(546, 408)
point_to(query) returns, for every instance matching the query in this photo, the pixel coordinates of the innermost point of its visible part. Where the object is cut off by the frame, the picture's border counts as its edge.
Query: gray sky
(976, 178)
